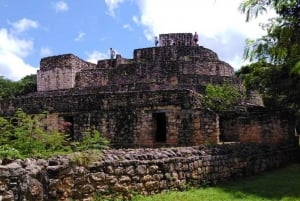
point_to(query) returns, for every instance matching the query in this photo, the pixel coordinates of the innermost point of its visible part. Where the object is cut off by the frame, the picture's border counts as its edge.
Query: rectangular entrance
(160, 127)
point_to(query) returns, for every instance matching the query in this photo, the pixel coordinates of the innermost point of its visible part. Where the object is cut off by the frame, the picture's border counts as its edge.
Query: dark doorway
(160, 124)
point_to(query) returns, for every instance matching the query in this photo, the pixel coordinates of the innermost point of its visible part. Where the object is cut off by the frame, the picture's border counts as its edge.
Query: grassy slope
(282, 184)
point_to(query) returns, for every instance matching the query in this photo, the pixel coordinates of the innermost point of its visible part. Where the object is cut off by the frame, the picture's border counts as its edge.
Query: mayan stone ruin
(151, 100)
(151, 106)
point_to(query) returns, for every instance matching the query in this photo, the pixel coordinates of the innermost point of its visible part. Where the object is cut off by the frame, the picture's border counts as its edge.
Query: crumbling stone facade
(258, 126)
(58, 72)
(151, 100)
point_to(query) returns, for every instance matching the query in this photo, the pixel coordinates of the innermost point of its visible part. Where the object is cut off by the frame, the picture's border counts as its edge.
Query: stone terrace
(151, 100)
(164, 67)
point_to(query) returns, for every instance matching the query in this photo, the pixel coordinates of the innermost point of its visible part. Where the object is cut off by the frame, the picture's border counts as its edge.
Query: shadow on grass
(280, 184)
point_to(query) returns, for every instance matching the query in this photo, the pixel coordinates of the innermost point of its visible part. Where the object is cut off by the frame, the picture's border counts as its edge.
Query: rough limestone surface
(120, 173)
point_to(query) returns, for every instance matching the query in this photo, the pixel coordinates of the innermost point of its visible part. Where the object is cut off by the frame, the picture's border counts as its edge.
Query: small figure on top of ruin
(112, 53)
(171, 41)
(177, 41)
(156, 41)
(195, 39)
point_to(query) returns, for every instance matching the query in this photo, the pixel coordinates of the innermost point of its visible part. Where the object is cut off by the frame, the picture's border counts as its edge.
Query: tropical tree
(28, 84)
(221, 98)
(7, 88)
(11, 89)
(276, 71)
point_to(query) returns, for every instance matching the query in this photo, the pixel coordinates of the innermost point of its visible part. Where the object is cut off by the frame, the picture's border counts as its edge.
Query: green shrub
(89, 149)
(221, 97)
(92, 139)
(7, 152)
(27, 135)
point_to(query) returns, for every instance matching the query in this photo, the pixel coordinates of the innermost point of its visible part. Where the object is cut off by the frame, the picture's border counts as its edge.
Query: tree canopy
(276, 55)
(221, 98)
(11, 89)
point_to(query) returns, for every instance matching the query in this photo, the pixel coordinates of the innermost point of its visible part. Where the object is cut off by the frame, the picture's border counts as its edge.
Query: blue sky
(33, 29)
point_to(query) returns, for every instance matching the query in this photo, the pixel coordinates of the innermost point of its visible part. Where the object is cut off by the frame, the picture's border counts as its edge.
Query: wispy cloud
(23, 25)
(45, 51)
(80, 36)
(96, 55)
(61, 6)
(128, 27)
(112, 5)
(136, 20)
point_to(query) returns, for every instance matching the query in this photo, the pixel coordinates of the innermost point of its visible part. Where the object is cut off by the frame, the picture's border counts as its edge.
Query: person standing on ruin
(171, 41)
(112, 53)
(156, 41)
(195, 39)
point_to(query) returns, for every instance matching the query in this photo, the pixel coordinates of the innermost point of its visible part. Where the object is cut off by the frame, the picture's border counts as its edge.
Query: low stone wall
(144, 171)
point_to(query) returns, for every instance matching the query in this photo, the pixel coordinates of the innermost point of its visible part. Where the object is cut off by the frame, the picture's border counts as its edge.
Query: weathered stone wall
(58, 72)
(155, 67)
(91, 99)
(55, 79)
(64, 61)
(120, 80)
(164, 66)
(176, 38)
(159, 72)
(186, 59)
(254, 98)
(143, 171)
(127, 119)
(259, 126)
(169, 53)
(113, 63)
(92, 78)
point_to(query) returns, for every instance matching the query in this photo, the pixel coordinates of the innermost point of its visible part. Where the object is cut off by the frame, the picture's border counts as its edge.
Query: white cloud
(112, 5)
(237, 60)
(61, 6)
(214, 20)
(80, 36)
(13, 50)
(135, 19)
(208, 17)
(96, 55)
(45, 51)
(13, 44)
(23, 25)
(128, 27)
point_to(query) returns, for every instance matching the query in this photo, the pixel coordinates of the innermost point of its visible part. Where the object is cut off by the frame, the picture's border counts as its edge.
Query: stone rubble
(124, 172)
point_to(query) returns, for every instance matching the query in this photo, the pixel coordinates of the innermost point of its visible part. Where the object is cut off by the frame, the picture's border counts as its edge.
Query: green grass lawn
(282, 184)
